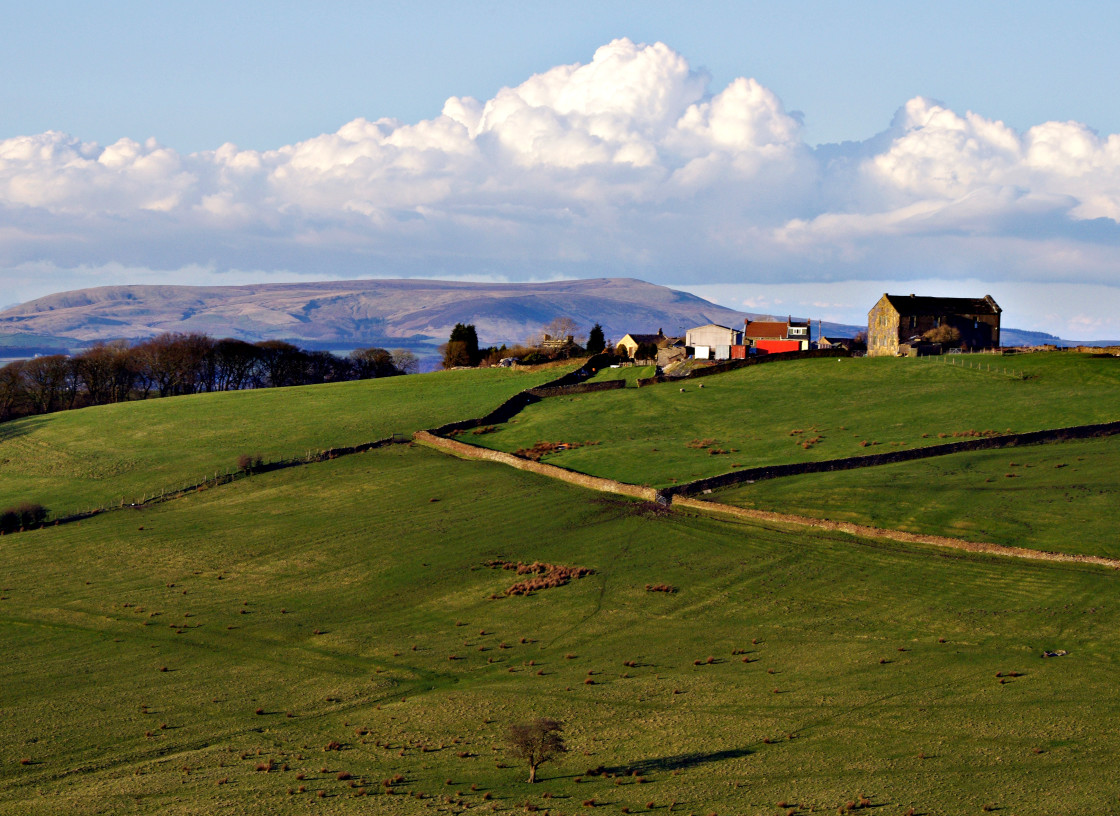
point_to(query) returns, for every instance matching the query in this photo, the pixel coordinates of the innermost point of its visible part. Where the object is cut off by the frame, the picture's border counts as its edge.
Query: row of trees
(551, 343)
(174, 364)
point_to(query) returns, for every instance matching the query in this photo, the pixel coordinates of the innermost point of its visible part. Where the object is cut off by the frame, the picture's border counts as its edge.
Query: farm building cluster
(898, 325)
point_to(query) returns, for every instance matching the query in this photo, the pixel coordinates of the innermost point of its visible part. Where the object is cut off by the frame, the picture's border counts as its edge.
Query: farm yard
(336, 637)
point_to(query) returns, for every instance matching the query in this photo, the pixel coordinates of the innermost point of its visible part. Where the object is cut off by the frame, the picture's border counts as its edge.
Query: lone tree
(595, 341)
(461, 349)
(536, 742)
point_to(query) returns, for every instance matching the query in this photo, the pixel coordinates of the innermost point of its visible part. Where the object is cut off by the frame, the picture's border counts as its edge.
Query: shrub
(249, 461)
(24, 515)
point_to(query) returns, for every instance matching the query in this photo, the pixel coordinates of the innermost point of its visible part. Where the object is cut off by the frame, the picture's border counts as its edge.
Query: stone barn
(899, 323)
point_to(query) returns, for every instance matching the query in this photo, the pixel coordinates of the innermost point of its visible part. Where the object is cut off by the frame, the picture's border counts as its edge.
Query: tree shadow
(678, 762)
(19, 427)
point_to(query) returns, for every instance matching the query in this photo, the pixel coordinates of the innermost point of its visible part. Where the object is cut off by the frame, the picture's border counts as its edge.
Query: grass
(1063, 497)
(336, 593)
(631, 374)
(74, 460)
(320, 636)
(809, 410)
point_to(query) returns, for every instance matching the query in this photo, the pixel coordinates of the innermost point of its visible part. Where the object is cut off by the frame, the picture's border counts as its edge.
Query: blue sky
(950, 176)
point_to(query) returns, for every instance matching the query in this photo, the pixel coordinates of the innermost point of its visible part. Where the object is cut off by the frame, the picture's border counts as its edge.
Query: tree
(373, 362)
(595, 340)
(405, 361)
(280, 362)
(945, 334)
(461, 348)
(536, 742)
(12, 391)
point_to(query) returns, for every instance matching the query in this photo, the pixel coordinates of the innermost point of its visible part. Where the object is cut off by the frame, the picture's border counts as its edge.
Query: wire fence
(975, 361)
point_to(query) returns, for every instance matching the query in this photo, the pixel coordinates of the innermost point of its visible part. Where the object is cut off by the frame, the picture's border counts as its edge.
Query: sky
(782, 157)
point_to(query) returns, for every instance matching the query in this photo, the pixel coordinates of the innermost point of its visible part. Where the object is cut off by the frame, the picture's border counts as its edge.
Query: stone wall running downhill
(890, 457)
(732, 365)
(544, 392)
(465, 451)
(864, 531)
(570, 383)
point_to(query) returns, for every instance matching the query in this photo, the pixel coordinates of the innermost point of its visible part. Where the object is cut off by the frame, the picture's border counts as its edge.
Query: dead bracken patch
(542, 449)
(660, 588)
(545, 576)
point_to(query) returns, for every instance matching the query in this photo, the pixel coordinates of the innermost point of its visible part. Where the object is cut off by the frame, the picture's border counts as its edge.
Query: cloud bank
(630, 164)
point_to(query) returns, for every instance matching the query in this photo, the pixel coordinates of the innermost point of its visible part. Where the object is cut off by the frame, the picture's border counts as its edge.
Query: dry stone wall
(732, 365)
(864, 531)
(853, 462)
(466, 451)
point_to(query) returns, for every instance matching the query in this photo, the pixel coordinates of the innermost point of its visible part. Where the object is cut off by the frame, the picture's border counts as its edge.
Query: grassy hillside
(1053, 497)
(631, 374)
(73, 460)
(810, 410)
(347, 602)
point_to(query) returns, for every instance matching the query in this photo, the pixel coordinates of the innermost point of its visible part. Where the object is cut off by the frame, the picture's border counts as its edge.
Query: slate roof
(646, 338)
(918, 305)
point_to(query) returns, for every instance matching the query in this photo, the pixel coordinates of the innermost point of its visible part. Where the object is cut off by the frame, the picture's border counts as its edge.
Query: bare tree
(405, 361)
(561, 328)
(536, 742)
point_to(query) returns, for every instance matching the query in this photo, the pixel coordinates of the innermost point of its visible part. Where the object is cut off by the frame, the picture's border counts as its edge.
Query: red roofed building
(768, 336)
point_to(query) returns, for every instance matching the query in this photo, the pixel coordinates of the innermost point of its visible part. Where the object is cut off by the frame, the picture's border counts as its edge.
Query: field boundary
(465, 451)
(734, 365)
(232, 476)
(570, 383)
(757, 474)
(902, 536)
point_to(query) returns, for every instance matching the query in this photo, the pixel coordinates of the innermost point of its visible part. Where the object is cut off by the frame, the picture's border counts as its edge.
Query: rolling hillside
(338, 638)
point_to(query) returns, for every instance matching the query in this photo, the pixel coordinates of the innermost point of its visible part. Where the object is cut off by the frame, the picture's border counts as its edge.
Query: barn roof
(919, 305)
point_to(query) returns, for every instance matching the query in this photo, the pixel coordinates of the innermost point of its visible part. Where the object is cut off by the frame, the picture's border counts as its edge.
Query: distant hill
(341, 314)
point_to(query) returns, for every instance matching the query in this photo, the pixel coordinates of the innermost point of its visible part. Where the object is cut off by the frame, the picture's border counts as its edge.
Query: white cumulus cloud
(630, 163)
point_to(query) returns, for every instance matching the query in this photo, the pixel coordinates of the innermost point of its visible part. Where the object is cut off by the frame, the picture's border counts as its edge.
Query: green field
(304, 592)
(809, 410)
(208, 654)
(631, 374)
(74, 460)
(1062, 497)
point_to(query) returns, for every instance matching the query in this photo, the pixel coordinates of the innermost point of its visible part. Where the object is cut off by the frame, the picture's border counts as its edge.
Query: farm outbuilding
(899, 322)
(712, 340)
(762, 334)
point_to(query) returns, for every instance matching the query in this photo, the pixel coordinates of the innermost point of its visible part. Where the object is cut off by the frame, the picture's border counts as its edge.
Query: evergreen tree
(595, 340)
(461, 348)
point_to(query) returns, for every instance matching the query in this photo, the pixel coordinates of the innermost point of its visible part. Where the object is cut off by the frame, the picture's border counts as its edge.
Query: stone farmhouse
(628, 345)
(900, 324)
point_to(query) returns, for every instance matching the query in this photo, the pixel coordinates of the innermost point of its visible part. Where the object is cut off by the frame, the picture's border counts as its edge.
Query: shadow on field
(678, 762)
(10, 430)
